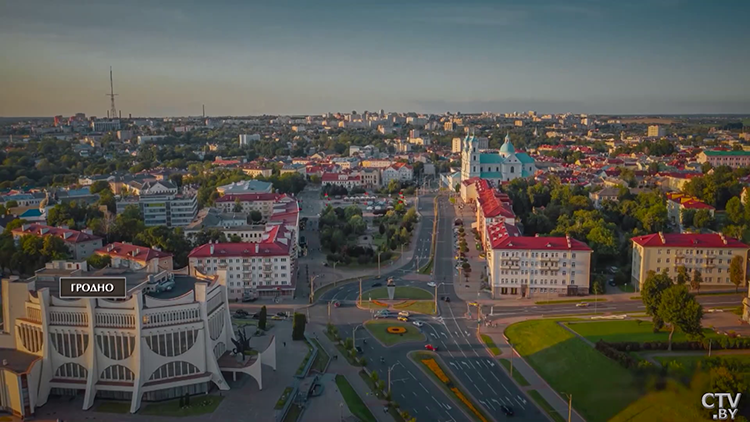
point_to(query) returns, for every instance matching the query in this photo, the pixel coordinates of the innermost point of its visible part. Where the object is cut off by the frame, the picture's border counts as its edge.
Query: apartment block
(248, 202)
(734, 159)
(171, 210)
(710, 254)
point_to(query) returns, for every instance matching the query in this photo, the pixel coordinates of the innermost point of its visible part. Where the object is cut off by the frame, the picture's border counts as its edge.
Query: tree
(687, 216)
(99, 261)
(237, 205)
(262, 318)
(99, 186)
(695, 283)
(651, 294)
(682, 275)
(457, 188)
(298, 326)
(679, 309)
(255, 216)
(735, 212)
(737, 271)
(702, 219)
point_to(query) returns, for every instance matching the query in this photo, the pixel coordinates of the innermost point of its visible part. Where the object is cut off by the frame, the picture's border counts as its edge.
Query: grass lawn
(321, 359)
(423, 307)
(199, 405)
(283, 399)
(516, 375)
(467, 403)
(113, 407)
(370, 383)
(378, 329)
(427, 269)
(557, 417)
(402, 292)
(353, 401)
(554, 302)
(490, 344)
(660, 406)
(631, 330)
(293, 415)
(602, 388)
(244, 322)
(689, 362)
(627, 288)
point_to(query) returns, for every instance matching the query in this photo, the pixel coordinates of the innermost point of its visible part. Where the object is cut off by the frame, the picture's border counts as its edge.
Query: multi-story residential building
(126, 255)
(341, 179)
(171, 210)
(525, 266)
(255, 170)
(245, 186)
(80, 243)
(154, 345)
(710, 254)
(105, 125)
(656, 131)
(679, 202)
(247, 139)
(449, 126)
(456, 145)
(605, 194)
(398, 171)
(248, 202)
(492, 207)
(267, 268)
(370, 178)
(734, 159)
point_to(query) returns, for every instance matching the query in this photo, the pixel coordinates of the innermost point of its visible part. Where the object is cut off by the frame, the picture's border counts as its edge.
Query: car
(403, 319)
(458, 222)
(431, 284)
(582, 305)
(612, 269)
(403, 313)
(431, 347)
(359, 350)
(282, 314)
(507, 410)
(276, 318)
(445, 299)
(241, 313)
(377, 284)
(418, 323)
(612, 283)
(249, 298)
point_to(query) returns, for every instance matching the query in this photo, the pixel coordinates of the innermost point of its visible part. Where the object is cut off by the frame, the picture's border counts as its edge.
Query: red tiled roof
(687, 201)
(688, 240)
(68, 235)
(130, 251)
(493, 202)
(334, 177)
(240, 249)
(505, 236)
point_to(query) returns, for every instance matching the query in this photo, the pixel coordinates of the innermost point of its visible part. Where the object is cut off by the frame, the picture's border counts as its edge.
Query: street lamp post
(389, 377)
(354, 334)
(570, 405)
(511, 358)
(334, 273)
(312, 286)
(379, 263)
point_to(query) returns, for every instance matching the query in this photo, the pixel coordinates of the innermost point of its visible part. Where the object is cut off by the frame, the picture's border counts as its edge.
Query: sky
(248, 57)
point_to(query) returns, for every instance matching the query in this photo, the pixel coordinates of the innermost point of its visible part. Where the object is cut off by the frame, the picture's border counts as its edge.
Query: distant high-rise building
(656, 131)
(246, 139)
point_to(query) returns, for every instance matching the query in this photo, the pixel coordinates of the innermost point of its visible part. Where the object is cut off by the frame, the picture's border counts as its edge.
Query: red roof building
(80, 243)
(126, 255)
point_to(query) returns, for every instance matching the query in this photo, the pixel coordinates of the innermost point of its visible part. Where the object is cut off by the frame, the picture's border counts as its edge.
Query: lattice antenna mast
(112, 95)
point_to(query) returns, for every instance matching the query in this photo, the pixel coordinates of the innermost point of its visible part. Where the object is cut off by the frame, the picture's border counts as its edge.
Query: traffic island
(390, 332)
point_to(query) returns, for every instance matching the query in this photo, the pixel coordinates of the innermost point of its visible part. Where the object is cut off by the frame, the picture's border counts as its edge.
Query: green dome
(507, 147)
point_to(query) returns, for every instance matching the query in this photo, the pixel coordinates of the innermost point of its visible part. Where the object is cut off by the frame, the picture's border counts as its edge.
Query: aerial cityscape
(419, 212)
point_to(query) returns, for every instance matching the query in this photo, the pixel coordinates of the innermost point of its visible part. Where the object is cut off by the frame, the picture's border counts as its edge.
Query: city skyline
(240, 58)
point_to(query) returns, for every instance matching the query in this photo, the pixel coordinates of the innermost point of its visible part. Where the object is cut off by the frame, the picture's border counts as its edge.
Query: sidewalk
(535, 381)
(342, 367)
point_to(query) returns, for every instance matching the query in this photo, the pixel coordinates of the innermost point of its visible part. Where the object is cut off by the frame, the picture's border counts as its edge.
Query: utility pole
(379, 263)
(329, 311)
(334, 273)
(570, 406)
(360, 291)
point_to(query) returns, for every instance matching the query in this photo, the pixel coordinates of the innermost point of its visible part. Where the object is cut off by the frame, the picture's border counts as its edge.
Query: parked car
(582, 305)
(507, 410)
(431, 284)
(377, 284)
(445, 299)
(418, 323)
(276, 318)
(403, 319)
(241, 313)
(403, 313)
(249, 298)
(431, 347)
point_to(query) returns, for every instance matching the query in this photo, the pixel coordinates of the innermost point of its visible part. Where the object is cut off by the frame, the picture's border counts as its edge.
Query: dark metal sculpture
(241, 344)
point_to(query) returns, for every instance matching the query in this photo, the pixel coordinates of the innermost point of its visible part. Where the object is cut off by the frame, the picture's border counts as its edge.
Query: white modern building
(105, 125)
(147, 347)
(171, 210)
(247, 139)
(398, 171)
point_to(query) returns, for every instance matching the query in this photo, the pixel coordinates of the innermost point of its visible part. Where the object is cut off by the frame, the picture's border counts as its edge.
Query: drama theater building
(148, 347)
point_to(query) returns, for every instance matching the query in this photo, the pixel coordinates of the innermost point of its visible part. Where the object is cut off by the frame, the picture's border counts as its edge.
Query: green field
(631, 330)
(353, 401)
(661, 406)
(602, 388)
(378, 329)
(544, 404)
(199, 405)
(402, 292)
(423, 307)
(516, 375)
(490, 344)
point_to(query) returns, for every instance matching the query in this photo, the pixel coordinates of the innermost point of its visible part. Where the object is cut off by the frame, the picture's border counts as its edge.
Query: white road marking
(506, 389)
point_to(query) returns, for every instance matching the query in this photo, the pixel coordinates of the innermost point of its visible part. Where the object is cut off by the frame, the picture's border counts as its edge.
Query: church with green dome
(494, 165)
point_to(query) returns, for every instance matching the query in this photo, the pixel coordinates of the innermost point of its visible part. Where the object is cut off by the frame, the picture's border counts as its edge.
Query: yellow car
(403, 318)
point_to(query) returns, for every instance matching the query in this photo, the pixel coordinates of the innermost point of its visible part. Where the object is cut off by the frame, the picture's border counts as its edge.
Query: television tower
(111, 95)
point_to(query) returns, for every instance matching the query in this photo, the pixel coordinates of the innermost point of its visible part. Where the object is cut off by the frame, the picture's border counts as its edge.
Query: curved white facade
(142, 348)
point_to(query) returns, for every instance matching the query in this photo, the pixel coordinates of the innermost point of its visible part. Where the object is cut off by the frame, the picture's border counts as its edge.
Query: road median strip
(428, 363)
(555, 302)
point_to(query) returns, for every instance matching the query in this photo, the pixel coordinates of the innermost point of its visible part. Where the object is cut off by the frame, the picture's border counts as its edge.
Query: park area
(390, 332)
(603, 389)
(628, 330)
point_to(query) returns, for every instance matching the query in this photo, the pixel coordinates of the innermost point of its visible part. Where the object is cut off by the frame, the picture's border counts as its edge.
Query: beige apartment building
(708, 253)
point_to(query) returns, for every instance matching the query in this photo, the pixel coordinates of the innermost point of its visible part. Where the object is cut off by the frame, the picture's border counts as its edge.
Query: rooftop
(130, 251)
(688, 240)
(68, 235)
